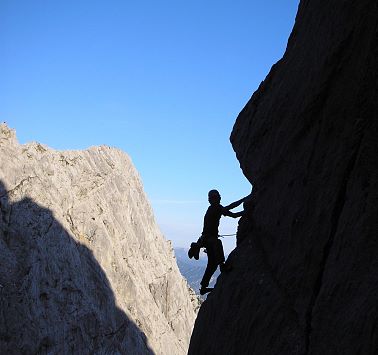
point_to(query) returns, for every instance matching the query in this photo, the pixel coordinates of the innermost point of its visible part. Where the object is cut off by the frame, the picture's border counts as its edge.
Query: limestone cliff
(84, 268)
(305, 278)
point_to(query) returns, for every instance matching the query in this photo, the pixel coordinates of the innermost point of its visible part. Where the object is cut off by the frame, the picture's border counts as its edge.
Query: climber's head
(214, 197)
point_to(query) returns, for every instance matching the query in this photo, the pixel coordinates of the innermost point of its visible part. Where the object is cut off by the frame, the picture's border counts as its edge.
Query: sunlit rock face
(305, 277)
(84, 268)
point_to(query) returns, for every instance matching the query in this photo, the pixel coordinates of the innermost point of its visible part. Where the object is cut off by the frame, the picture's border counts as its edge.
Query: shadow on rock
(54, 296)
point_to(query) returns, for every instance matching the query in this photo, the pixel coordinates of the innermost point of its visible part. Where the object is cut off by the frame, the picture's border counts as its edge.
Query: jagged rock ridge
(305, 278)
(83, 266)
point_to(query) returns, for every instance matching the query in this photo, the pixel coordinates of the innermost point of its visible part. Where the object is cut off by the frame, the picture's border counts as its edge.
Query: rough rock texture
(305, 278)
(84, 268)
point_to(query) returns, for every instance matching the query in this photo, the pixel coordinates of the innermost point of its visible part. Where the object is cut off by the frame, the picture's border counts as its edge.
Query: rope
(226, 235)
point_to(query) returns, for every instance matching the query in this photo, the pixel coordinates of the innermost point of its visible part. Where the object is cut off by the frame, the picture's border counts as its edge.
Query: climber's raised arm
(236, 204)
(232, 214)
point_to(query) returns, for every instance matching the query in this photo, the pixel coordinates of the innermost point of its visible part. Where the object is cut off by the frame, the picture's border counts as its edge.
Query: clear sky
(162, 80)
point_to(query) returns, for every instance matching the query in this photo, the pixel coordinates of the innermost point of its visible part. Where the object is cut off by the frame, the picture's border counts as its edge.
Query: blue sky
(162, 80)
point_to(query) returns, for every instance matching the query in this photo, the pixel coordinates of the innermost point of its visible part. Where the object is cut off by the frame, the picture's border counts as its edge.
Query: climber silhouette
(209, 238)
(54, 295)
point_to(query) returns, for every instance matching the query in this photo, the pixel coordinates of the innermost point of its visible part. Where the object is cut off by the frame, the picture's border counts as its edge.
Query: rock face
(305, 277)
(84, 268)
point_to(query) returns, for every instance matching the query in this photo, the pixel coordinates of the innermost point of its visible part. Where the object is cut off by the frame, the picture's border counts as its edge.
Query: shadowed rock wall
(305, 278)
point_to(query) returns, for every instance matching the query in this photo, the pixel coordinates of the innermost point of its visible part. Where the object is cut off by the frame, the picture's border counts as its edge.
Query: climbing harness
(195, 247)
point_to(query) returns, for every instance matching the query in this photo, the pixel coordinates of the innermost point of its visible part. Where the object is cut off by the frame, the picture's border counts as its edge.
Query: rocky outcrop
(84, 268)
(305, 277)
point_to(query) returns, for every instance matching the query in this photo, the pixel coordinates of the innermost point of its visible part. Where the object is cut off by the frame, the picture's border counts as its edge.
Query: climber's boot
(204, 290)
